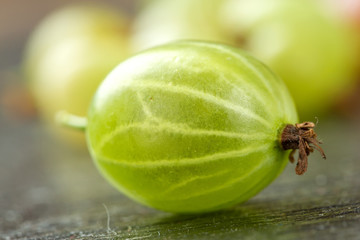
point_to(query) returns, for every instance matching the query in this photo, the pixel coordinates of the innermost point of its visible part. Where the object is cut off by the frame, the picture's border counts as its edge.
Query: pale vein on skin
(227, 184)
(289, 108)
(201, 95)
(256, 72)
(145, 108)
(194, 179)
(183, 129)
(167, 126)
(149, 115)
(258, 97)
(186, 161)
(246, 63)
(254, 95)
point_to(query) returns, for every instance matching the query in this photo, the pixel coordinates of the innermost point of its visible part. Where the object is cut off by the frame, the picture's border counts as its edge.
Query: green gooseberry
(192, 127)
(303, 42)
(67, 56)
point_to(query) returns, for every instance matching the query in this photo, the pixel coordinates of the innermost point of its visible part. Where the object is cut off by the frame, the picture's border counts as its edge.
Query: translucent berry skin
(190, 127)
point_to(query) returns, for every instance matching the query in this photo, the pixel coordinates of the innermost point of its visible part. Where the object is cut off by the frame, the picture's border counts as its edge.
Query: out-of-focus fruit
(349, 11)
(306, 45)
(70, 53)
(163, 21)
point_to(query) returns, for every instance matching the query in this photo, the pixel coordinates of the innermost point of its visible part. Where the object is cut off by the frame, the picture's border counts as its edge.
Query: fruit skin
(190, 126)
(68, 55)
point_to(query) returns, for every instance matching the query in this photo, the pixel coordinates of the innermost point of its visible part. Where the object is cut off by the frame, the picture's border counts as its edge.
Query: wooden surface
(50, 190)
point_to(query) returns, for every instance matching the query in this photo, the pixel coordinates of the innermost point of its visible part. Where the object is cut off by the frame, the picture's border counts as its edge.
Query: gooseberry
(306, 44)
(162, 21)
(69, 54)
(193, 127)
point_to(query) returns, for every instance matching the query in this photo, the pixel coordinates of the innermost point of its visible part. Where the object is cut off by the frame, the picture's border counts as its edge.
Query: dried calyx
(301, 136)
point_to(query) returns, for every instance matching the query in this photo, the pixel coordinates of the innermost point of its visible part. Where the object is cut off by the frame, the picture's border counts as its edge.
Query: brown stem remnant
(300, 136)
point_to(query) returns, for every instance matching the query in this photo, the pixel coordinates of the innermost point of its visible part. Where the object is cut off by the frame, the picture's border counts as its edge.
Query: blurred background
(38, 169)
(54, 54)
